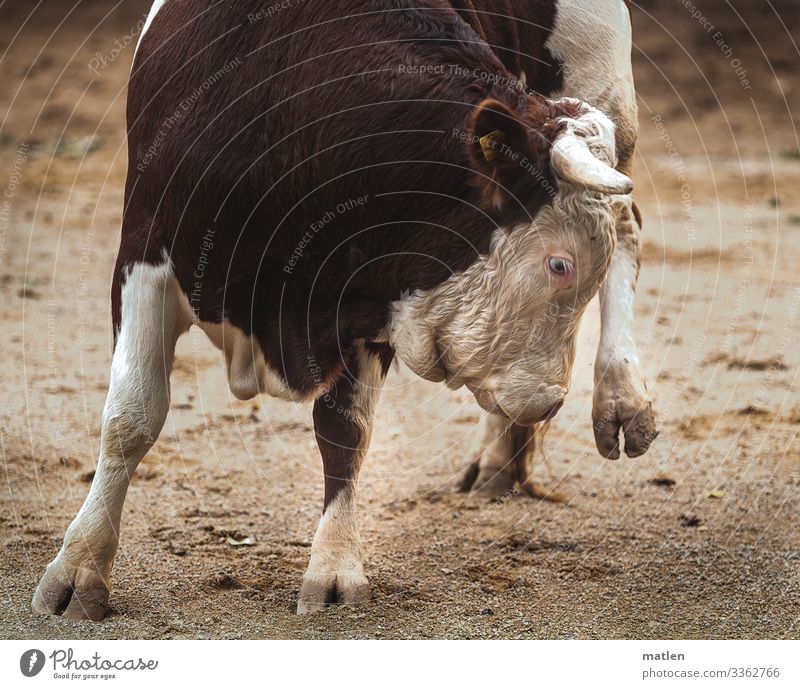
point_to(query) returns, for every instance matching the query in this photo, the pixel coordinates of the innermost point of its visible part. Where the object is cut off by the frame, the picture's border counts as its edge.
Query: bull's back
(201, 91)
(256, 127)
(227, 101)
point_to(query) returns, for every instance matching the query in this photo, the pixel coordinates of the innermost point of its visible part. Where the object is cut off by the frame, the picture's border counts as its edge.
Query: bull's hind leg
(77, 582)
(343, 425)
(499, 463)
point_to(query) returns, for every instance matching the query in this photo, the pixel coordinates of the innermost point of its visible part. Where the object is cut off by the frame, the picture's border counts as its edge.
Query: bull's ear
(499, 144)
(495, 132)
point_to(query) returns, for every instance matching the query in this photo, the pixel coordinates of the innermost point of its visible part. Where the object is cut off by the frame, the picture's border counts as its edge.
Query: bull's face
(506, 326)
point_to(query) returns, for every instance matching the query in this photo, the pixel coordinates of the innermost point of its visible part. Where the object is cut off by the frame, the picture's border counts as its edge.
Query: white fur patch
(154, 10)
(336, 551)
(616, 309)
(593, 41)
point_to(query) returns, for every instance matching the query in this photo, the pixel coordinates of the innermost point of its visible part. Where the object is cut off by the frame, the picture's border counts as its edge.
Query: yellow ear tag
(487, 142)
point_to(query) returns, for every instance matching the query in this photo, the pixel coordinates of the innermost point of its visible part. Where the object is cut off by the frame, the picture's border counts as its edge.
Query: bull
(322, 191)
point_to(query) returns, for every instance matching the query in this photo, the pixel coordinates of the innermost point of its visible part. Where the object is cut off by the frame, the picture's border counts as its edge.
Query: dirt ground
(699, 538)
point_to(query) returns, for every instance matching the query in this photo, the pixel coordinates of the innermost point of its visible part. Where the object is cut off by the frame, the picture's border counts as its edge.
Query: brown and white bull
(319, 191)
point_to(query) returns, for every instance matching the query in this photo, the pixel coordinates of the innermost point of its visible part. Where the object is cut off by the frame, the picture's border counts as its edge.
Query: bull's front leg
(621, 399)
(343, 426)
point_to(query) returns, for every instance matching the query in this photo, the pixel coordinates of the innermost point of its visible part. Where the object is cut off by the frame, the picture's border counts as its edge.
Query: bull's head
(506, 327)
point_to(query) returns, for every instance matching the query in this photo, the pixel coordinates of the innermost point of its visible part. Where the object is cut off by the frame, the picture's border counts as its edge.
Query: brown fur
(517, 31)
(315, 111)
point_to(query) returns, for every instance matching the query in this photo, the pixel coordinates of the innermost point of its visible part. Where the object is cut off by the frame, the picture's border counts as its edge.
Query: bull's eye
(559, 265)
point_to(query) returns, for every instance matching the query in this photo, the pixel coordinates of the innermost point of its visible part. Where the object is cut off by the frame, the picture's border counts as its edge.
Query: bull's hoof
(320, 591)
(621, 403)
(77, 593)
(504, 484)
(488, 481)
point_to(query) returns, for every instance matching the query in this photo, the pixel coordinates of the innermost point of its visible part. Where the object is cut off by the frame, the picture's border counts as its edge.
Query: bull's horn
(572, 161)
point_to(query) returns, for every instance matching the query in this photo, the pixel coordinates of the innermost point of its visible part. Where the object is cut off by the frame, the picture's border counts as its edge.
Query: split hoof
(76, 593)
(318, 592)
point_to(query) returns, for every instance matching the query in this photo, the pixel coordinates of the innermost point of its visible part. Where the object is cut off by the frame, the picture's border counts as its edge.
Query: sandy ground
(699, 538)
